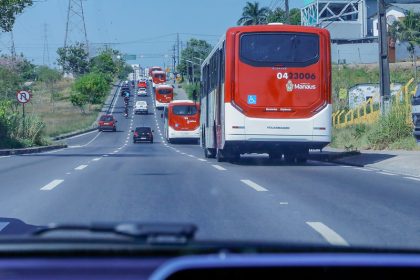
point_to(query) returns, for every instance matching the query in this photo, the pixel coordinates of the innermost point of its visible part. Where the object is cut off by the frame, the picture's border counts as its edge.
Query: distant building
(353, 28)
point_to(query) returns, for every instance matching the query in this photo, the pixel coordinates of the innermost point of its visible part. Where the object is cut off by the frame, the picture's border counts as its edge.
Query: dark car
(107, 122)
(143, 134)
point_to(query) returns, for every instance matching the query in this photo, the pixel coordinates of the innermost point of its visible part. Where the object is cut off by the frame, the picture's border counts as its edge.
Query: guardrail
(369, 112)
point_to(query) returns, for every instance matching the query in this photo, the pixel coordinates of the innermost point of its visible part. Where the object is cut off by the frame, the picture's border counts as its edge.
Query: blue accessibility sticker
(252, 99)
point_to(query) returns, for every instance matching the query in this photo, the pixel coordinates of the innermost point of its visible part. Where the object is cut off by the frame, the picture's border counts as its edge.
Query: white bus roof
(183, 101)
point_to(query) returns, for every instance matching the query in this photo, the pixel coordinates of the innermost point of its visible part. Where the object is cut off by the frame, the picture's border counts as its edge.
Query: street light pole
(384, 83)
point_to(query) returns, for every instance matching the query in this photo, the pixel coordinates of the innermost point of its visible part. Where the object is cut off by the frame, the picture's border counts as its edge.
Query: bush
(391, 128)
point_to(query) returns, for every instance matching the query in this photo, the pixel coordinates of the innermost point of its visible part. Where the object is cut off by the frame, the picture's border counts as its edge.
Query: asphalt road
(103, 176)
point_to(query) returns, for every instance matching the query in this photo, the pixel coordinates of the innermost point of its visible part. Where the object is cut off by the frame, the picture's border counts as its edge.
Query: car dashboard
(222, 265)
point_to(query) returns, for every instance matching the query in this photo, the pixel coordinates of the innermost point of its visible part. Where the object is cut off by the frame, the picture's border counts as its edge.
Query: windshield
(165, 91)
(184, 110)
(267, 126)
(106, 118)
(267, 49)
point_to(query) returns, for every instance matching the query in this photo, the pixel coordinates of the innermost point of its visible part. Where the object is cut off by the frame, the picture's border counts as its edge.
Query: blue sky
(138, 27)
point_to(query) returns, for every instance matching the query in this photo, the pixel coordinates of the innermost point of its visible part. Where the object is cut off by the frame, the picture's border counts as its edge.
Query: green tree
(408, 30)
(252, 14)
(192, 56)
(90, 88)
(8, 11)
(74, 59)
(279, 15)
(10, 82)
(104, 63)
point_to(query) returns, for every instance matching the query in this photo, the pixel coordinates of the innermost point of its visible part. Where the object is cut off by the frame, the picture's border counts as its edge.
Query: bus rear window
(159, 76)
(165, 91)
(183, 110)
(279, 49)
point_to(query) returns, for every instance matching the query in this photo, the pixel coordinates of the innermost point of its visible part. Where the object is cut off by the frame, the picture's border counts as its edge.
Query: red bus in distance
(158, 77)
(163, 95)
(267, 89)
(182, 120)
(154, 68)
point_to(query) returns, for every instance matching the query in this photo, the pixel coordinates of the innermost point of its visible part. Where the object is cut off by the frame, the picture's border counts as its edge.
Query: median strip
(254, 186)
(328, 234)
(51, 185)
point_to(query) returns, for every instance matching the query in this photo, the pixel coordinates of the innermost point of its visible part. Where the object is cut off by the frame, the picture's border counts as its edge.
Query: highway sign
(23, 96)
(130, 57)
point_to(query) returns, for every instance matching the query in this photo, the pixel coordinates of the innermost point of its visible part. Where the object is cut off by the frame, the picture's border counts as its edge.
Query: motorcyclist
(126, 111)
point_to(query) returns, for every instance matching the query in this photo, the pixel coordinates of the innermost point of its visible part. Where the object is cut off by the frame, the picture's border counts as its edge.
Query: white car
(141, 92)
(141, 108)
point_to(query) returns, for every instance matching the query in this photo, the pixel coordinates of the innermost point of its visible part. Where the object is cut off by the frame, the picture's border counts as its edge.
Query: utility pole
(12, 46)
(286, 8)
(75, 24)
(173, 58)
(384, 87)
(177, 48)
(46, 53)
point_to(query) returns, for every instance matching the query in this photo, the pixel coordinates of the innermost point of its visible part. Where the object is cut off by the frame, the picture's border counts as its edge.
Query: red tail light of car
(136, 134)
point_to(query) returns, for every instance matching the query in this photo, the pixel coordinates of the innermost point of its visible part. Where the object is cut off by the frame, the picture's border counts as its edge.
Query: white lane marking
(284, 203)
(3, 225)
(4, 156)
(191, 156)
(363, 169)
(105, 155)
(183, 153)
(386, 173)
(200, 159)
(253, 185)
(412, 178)
(328, 234)
(116, 151)
(345, 166)
(218, 167)
(80, 167)
(96, 159)
(51, 185)
(94, 138)
(68, 173)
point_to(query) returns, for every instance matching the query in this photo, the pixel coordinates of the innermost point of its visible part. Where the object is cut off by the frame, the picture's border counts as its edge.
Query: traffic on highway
(236, 159)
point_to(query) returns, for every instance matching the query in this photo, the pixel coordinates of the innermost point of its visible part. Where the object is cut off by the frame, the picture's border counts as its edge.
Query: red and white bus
(267, 89)
(182, 120)
(158, 77)
(154, 68)
(163, 95)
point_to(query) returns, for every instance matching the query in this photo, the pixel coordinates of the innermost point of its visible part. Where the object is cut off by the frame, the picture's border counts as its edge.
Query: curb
(60, 137)
(7, 152)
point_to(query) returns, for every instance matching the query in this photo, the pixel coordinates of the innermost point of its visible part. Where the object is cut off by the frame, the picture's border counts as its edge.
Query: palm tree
(252, 14)
(408, 30)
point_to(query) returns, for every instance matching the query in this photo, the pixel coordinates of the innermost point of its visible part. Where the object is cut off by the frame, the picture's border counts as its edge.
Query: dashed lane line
(218, 167)
(4, 156)
(254, 185)
(81, 167)
(328, 234)
(51, 185)
(200, 159)
(96, 159)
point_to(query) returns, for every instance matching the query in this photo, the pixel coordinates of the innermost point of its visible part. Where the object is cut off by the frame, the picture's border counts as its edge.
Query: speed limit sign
(23, 96)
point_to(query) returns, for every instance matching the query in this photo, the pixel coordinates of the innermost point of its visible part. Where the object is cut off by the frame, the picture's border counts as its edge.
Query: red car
(107, 122)
(142, 84)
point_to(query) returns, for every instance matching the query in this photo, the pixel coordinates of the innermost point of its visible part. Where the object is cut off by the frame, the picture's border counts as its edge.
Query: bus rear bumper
(183, 134)
(269, 146)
